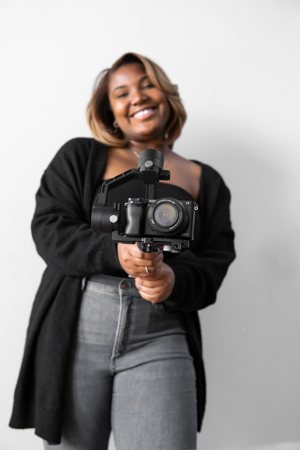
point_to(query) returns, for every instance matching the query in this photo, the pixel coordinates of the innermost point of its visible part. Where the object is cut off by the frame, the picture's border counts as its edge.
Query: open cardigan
(72, 251)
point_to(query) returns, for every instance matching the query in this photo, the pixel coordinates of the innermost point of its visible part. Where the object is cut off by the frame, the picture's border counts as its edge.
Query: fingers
(150, 259)
(137, 263)
(153, 294)
(145, 270)
(150, 268)
(156, 288)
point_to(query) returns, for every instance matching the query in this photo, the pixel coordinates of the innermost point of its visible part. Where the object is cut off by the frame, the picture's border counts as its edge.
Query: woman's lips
(143, 113)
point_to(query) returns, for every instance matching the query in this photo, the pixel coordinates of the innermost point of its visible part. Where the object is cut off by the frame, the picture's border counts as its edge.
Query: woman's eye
(121, 95)
(149, 86)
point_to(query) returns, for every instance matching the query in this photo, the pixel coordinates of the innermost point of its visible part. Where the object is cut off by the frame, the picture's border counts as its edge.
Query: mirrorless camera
(154, 223)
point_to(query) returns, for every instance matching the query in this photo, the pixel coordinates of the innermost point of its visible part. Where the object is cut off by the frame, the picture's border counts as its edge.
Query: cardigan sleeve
(200, 271)
(61, 227)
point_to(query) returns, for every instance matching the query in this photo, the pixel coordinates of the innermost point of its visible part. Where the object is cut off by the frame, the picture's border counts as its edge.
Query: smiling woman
(140, 108)
(114, 341)
(100, 115)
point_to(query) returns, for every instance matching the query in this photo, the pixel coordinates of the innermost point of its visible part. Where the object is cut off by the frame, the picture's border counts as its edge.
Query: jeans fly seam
(113, 355)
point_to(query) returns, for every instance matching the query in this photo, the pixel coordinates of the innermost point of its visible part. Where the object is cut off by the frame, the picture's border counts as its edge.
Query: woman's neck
(138, 147)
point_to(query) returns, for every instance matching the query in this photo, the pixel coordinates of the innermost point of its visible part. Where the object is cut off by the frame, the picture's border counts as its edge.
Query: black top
(72, 250)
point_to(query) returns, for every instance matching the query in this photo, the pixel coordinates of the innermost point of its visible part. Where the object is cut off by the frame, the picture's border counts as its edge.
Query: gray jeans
(131, 373)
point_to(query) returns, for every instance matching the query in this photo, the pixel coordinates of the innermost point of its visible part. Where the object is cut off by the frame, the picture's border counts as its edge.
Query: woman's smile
(143, 113)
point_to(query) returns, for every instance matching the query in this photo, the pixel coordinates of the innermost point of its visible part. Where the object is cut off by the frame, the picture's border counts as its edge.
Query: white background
(237, 66)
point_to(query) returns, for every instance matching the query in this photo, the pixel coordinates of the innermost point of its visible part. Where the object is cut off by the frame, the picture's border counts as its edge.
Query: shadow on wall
(251, 336)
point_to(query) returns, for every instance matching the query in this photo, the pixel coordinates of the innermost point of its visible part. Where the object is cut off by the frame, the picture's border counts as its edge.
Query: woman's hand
(154, 279)
(137, 263)
(156, 287)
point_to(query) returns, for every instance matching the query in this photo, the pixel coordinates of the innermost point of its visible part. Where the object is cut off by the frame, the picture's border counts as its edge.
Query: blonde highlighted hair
(99, 114)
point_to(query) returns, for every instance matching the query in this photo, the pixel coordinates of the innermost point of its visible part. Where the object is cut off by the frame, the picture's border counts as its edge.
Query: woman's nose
(138, 96)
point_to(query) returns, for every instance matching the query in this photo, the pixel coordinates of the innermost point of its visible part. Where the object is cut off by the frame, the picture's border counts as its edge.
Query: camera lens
(166, 215)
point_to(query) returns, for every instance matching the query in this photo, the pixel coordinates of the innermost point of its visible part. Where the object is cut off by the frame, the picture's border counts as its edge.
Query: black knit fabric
(64, 239)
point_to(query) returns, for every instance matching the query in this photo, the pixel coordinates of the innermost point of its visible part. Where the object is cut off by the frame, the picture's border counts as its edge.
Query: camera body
(159, 217)
(152, 222)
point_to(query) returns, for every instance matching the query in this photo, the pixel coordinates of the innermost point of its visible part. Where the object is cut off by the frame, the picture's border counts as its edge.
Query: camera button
(149, 163)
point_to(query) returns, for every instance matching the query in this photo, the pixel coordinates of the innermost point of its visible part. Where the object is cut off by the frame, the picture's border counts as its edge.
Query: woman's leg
(154, 402)
(87, 413)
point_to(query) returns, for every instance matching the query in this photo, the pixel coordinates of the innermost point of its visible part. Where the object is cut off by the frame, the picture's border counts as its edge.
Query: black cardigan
(64, 239)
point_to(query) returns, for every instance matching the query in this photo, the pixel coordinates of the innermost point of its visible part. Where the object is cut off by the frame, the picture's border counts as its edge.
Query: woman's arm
(200, 272)
(60, 226)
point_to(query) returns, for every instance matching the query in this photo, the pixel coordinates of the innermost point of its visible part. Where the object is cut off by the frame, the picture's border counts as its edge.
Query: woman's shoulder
(78, 151)
(206, 169)
(209, 174)
(213, 187)
(81, 145)
(198, 168)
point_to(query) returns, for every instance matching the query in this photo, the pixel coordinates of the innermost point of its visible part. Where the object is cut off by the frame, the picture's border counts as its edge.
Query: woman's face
(141, 110)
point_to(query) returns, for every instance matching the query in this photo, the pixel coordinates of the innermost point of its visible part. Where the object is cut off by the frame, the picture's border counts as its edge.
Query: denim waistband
(113, 284)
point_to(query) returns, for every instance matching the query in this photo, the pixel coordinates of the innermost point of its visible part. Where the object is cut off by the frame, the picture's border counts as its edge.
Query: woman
(114, 339)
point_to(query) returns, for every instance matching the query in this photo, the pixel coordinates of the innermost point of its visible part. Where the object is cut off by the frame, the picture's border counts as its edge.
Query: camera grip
(135, 215)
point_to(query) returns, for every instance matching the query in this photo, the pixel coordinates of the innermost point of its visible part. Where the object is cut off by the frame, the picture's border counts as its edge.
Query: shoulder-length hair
(99, 114)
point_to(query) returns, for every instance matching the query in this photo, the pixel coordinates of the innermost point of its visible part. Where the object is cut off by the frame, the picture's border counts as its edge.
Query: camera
(154, 223)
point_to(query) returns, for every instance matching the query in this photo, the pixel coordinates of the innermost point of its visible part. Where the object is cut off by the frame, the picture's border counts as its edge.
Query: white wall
(237, 65)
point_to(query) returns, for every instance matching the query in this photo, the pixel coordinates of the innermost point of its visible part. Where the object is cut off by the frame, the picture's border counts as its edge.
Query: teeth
(142, 113)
